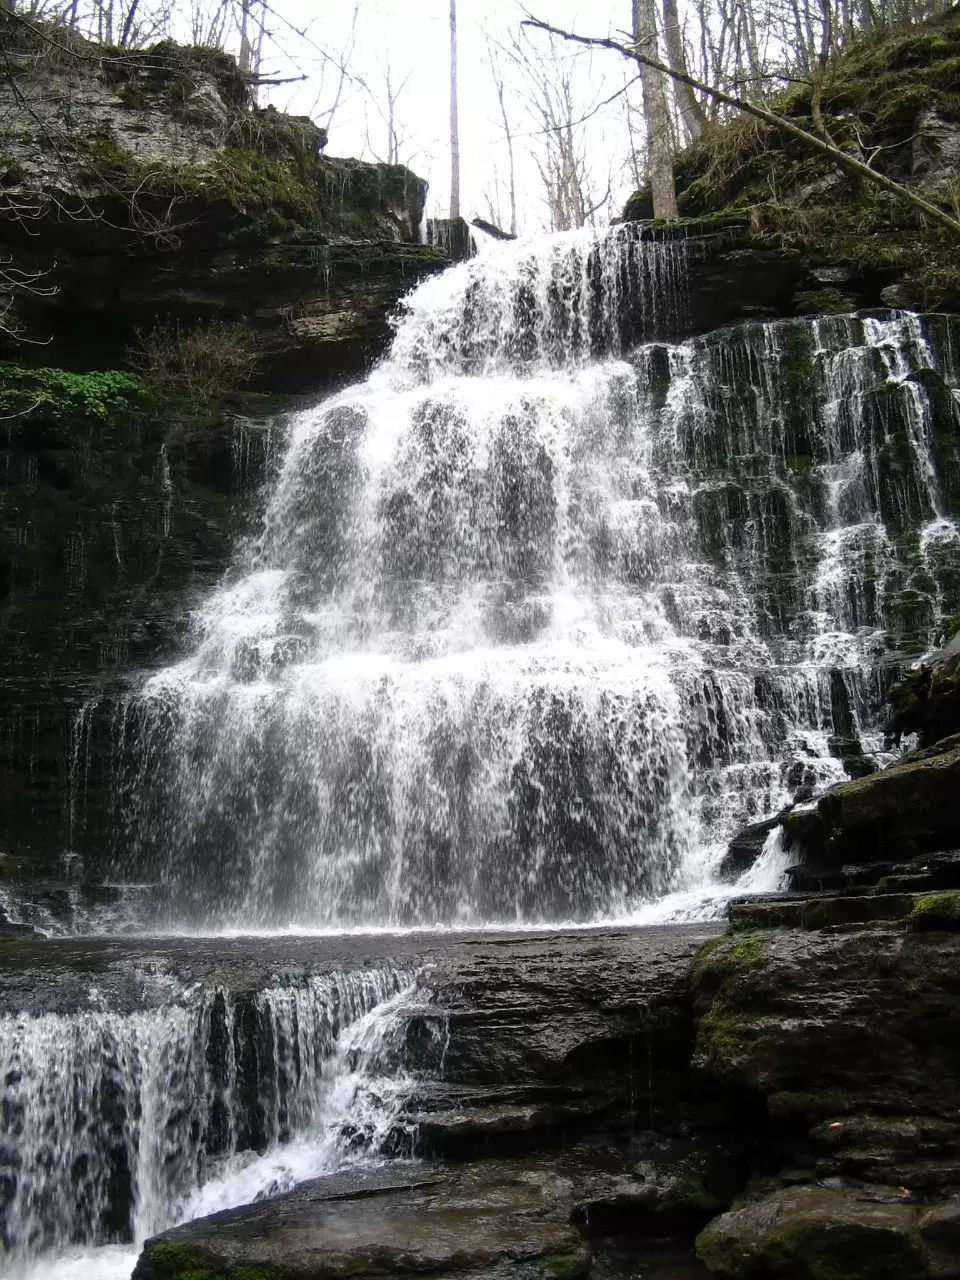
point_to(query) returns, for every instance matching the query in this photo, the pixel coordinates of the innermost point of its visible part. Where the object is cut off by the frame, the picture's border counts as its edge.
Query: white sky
(412, 36)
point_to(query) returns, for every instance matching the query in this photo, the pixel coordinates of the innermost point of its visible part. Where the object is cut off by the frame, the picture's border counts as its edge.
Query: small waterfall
(546, 607)
(119, 1124)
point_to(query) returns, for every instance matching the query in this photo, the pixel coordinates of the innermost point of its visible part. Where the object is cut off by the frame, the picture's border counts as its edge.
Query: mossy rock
(812, 1233)
(936, 911)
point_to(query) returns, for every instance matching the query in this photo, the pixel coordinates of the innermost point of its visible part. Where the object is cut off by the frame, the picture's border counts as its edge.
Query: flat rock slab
(547, 1216)
(503, 976)
(491, 1219)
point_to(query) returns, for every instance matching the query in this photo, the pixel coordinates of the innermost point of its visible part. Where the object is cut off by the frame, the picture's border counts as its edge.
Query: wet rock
(921, 874)
(820, 913)
(671, 1206)
(849, 750)
(745, 847)
(484, 1220)
(909, 808)
(926, 700)
(940, 1231)
(863, 1017)
(815, 1233)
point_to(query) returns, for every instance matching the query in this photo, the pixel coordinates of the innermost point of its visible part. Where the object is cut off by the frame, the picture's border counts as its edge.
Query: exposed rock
(815, 1233)
(453, 236)
(905, 810)
(940, 1231)
(745, 847)
(482, 1220)
(190, 205)
(926, 700)
(924, 874)
(115, 530)
(820, 913)
(810, 225)
(825, 1025)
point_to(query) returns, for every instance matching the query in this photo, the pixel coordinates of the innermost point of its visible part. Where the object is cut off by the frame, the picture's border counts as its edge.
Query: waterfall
(119, 1124)
(549, 604)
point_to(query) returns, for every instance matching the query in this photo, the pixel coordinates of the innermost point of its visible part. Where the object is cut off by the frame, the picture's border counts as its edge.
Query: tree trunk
(454, 124)
(245, 58)
(691, 111)
(656, 111)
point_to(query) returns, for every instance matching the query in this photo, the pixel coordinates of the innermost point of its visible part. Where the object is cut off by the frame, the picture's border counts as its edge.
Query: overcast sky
(412, 38)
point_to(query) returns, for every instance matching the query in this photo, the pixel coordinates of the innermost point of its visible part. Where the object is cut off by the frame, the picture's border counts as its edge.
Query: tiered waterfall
(537, 617)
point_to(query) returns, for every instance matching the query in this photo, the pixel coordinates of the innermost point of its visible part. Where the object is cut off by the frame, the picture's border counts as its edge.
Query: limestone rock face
(157, 191)
(795, 1015)
(926, 700)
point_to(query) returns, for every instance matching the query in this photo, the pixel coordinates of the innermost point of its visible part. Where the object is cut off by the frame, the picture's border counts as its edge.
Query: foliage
(192, 371)
(99, 395)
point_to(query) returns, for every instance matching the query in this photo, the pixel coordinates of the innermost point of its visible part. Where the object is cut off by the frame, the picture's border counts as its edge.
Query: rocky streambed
(779, 1098)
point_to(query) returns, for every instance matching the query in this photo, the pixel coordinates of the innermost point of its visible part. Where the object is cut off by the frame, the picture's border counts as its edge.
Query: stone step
(822, 912)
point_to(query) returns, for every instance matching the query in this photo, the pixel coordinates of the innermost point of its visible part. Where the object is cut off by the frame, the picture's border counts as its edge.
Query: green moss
(827, 301)
(566, 1266)
(165, 1261)
(843, 1252)
(689, 1191)
(701, 958)
(788, 1105)
(100, 395)
(936, 911)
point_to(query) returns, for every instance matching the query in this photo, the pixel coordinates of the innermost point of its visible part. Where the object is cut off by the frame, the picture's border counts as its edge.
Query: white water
(537, 618)
(119, 1125)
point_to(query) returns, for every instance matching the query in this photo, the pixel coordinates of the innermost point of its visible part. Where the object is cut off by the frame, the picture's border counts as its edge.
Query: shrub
(194, 370)
(26, 392)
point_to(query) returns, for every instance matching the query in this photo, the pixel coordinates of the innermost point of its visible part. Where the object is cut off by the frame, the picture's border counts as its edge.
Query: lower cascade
(119, 1124)
(536, 617)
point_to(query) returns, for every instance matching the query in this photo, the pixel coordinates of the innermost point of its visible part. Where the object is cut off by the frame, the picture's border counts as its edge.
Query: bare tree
(454, 121)
(691, 109)
(559, 96)
(496, 71)
(656, 111)
(383, 98)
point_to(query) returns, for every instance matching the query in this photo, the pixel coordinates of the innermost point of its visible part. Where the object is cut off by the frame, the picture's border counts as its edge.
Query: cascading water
(547, 606)
(120, 1124)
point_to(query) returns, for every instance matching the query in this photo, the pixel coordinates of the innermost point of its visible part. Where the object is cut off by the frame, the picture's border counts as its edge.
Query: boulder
(905, 810)
(815, 1233)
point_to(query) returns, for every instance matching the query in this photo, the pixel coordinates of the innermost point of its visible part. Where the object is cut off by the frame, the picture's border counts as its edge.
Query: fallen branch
(497, 232)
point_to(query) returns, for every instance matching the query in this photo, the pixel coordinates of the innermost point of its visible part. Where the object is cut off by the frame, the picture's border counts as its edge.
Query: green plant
(194, 370)
(26, 392)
